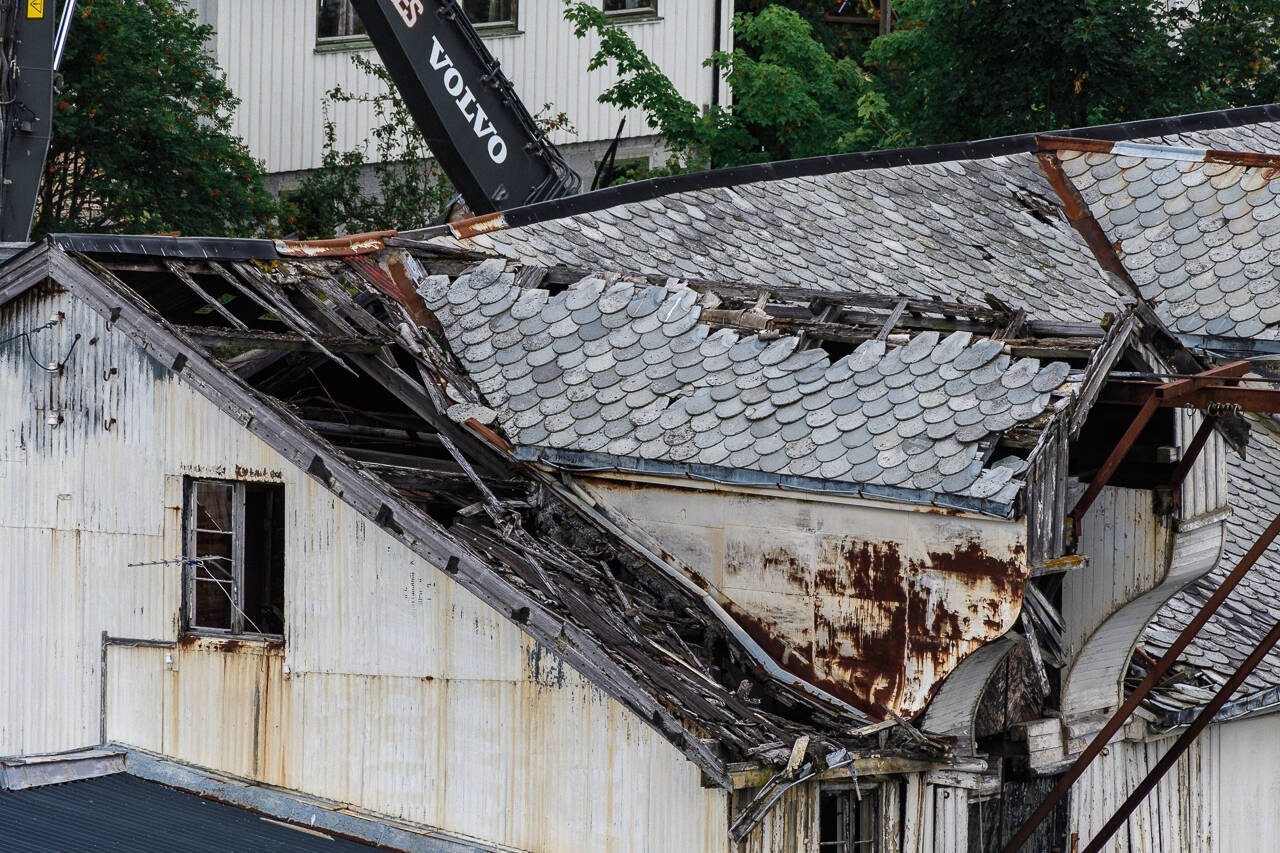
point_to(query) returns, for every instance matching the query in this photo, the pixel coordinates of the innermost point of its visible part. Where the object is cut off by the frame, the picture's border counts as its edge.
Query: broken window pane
(235, 549)
(847, 821)
(264, 558)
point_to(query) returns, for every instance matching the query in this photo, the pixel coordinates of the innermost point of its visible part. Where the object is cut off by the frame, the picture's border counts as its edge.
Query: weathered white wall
(407, 696)
(1126, 546)
(268, 50)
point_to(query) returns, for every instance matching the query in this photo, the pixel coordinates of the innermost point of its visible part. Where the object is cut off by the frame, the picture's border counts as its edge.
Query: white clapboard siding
(268, 50)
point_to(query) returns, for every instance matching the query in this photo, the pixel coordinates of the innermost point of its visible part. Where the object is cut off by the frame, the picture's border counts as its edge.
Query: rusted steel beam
(1109, 467)
(1188, 737)
(1082, 219)
(1073, 143)
(1139, 693)
(1190, 455)
(1182, 387)
(1251, 399)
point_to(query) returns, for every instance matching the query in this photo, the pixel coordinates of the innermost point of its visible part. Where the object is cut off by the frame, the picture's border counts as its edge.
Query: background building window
(235, 554)
(631, 7)
(484, 13)
(336, 19)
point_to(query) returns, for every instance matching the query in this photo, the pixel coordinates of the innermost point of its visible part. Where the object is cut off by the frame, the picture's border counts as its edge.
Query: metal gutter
(582, 462)
(191, 248)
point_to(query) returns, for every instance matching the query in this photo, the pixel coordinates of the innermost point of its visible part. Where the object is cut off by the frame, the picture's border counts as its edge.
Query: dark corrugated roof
(124, 813)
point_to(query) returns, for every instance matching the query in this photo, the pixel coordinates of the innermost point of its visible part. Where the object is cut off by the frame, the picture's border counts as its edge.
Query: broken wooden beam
(260, 339)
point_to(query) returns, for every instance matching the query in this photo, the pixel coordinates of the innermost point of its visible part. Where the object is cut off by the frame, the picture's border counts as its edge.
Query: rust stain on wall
(885, 630)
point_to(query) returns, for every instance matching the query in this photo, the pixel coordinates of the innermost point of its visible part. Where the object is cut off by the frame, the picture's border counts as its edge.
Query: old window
(847, 821)
(337, 20)
(620, 8)
(485, 13)
(235, 557)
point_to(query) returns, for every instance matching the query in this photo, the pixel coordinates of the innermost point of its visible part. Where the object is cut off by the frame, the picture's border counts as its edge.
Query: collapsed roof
(921, 332)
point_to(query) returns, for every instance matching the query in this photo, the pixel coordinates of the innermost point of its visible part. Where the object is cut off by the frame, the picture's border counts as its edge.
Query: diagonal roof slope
(1250, 610)
(950, 231)
(334, 364)
(1197, 229)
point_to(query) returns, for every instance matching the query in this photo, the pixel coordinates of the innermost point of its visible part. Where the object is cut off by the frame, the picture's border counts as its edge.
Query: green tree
(141, 134)
(791, 97)
(390, 180)
(964, 69)
(400, 187)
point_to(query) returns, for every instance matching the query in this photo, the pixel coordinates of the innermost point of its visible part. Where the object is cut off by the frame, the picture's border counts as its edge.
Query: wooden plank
(211, 336)
(182, 276)
(892, 320)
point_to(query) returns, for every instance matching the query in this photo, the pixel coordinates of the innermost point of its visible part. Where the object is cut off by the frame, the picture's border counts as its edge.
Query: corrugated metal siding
(407, 695)
(540, 766)
(1218, 798)
(268, 50)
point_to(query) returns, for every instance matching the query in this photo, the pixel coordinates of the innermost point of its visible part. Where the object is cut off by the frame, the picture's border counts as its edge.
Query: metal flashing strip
(299, 809)
(584, 462)
(1234, 347)
(1266, 701)
(1160, 152)
(1023, 143)
(33, 771)
(193, 248)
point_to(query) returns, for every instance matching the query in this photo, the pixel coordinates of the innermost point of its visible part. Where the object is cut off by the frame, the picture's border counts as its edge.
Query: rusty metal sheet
(876, 617)
(341, 247)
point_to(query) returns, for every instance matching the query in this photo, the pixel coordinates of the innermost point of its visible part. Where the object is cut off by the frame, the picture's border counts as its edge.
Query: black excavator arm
(487, 143)
(27, 68)
(479, 130)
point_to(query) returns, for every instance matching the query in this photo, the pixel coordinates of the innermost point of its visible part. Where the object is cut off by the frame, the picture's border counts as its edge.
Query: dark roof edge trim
(186, 248)
(294, 807)
(975, 150)
(584, 462)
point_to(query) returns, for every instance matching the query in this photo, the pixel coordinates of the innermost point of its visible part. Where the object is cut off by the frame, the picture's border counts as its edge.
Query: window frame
(648, 13)
(361, 41)
(240, 622)
(506, 25)
(339, 40)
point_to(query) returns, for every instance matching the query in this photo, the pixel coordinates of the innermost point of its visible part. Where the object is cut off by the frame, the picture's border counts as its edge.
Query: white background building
(281, 66)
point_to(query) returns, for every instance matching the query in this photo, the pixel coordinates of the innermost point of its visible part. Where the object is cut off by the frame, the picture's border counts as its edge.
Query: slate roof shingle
(943, 230)
(1199, 238)
(1250, 611)
(629, 370)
